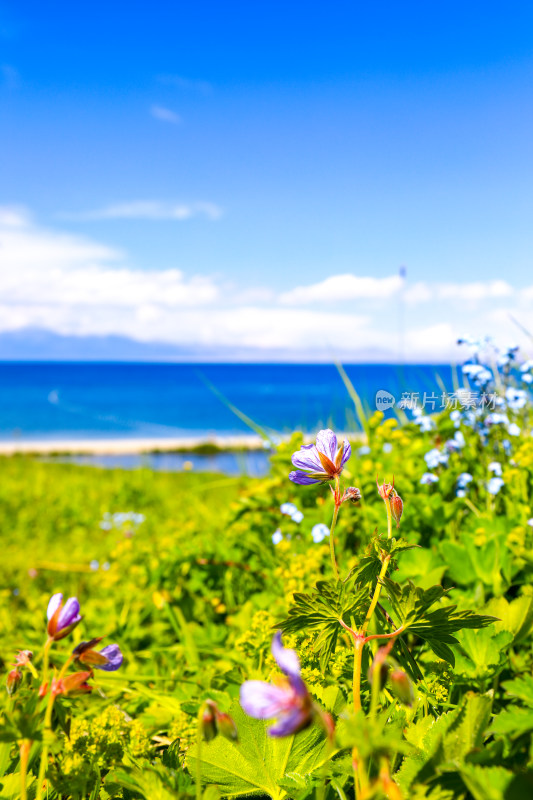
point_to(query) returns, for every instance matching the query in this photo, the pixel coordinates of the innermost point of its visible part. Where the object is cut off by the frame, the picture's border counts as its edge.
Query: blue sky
(253, 149)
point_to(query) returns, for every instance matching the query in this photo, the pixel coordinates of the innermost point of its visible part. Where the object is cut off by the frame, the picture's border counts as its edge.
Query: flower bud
(208, 720)
(402, 687)
(396, 507)
(23, 658)
(14, 678)
(385, 490)
(380, 664)
(352, 494)
(226, 726)
(73, 684)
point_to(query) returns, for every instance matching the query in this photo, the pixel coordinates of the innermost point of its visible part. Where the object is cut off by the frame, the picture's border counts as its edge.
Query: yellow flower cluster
(299, 571)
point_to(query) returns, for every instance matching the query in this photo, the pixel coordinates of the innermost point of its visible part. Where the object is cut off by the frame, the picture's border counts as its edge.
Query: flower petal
(326, 443)
(303, 478)
(286, 659)
(347, 453)
(114, 657)
(291, 722)
(307, 458)
(69, 614)
(53, 604)
(263, 700)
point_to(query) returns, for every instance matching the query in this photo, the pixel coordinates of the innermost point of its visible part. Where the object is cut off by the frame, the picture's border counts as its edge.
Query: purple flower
(109, 658)
(429, 478)
(288, 701)
(322, 461)
(62, 619)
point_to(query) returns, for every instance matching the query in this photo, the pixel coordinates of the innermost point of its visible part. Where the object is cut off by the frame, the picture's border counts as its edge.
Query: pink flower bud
(208, 720)
(14, 678)
(226, 726)
(380, 664)
(396, 507)
(402, 687)
(385, 490)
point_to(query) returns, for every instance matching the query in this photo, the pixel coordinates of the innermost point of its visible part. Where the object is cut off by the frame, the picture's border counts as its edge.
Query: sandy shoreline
(135, 446)
(127, 446)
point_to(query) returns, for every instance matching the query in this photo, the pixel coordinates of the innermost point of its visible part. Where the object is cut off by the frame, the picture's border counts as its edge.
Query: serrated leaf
(322, 610)
(483, 651)
(497, 783)
(10, 786)
(259, 762)
(522, 688)
(513, 722)
(515, 616)
(447, 740)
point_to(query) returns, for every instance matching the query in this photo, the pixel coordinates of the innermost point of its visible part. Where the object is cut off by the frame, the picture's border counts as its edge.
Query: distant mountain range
(35, 344)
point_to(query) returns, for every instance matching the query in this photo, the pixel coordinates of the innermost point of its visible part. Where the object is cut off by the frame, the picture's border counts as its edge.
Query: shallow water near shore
(252, 463)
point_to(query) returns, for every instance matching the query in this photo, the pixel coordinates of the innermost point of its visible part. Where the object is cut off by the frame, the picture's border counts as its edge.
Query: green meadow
(181, 571)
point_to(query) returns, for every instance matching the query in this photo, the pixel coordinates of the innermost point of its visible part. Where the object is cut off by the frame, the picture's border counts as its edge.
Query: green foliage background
(192, 596)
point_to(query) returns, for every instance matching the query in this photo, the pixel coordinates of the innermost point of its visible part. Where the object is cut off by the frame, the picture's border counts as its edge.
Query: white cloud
(165, 114)
(149, 210)
(180, 82)
(13, 216)
(73, 285)
(472, 293)
(343, 287)
(61, 281)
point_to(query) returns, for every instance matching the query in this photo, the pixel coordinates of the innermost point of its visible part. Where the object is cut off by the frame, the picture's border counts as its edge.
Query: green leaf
(486, 783)
(513, 722)
(259, 763)
(373, 737)
(443, 743)
(322, 610)
(522, 688)
(483, 651)
(515, 616)
(10, 786)
(411, 606)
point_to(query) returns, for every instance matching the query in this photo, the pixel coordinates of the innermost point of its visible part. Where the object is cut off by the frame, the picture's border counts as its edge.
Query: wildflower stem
(389, 517)
(358, 654)
(385, 635)
(199, 756)
(25, 746)
(331, 543)
(46, 737)
(377, 592)
(46, 658)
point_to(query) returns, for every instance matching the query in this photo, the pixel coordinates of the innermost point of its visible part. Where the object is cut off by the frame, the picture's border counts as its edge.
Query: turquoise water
(91, 400)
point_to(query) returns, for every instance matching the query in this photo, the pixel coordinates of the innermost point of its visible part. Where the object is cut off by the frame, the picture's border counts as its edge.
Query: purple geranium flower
(62, 618)
(109, 658)
(322, 461)
(288, 701)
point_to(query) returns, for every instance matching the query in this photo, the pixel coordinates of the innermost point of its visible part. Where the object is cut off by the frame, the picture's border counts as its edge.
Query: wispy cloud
(9, 77)
(165, 114)
(179, 82)
(149, 210)
(471, 292)
(338, 288)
